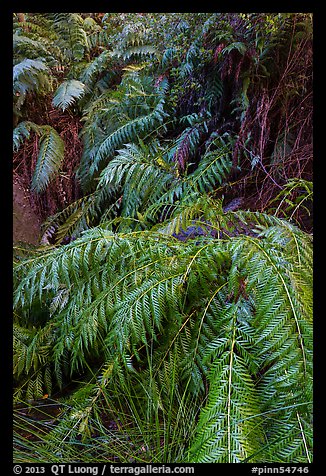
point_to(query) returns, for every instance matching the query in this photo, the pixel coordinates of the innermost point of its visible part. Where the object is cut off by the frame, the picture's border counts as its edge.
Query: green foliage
(67, 93)
(24, 47)
(50, 158)
(37, 61)
(118, 117)
(133, 43)
(185, 329)
(140, 175)
(29, 76)
(69, 28)
(296, 195)
(237, 313)
(23, 131)
(50, 155)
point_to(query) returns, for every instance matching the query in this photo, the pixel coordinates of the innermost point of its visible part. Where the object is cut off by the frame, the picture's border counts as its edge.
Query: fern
(139, 175)
(141, 125)
(49, 161)
(25, 47)
(275, 326)
(50, 156)
(117, 118)
(224, 432)
(95, 67)
(135, 51)
(28, 66)
(71, 34)
(67, 93)
(236, 45)
(29, 76)
(23, 131)
(213, 168)
(214, 88)
(31, 351)
(187, 143)
(239, 308)
(185, 327)
(168, 56)
(35, 27)
(133, 43)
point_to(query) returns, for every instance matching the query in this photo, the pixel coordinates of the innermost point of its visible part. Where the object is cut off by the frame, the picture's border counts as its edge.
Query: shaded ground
(26, 223)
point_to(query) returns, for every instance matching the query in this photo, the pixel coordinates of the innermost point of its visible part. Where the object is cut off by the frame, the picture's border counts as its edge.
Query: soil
(26, 223)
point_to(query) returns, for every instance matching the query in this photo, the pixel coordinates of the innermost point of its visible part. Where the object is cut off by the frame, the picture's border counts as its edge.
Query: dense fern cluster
(184, 93)
(186, 350)
(234, 315)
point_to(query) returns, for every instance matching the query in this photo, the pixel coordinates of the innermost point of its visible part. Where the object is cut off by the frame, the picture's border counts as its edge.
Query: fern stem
(302, 433)
(303, 437)
(205, 312)
(229, 391)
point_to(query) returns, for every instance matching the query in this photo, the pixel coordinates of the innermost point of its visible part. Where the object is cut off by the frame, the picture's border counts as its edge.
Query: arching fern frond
(95, 67)
(25, 47)
(31, 361)
(140, 52)
(214, 88)
(28, 66)
(187, 143)
(229, 308)
(212, 170)
(214, 166)
(225, 434)
(140, 176)
(276, 323)
(82, 214)
(23, 131)
(133, 43)
(119, 117)
(50, 155)
(29, 76)
(129, 131)
(169, 55)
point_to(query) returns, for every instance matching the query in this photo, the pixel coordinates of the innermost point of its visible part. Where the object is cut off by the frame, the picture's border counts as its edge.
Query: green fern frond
(99, 38)
(133, 43)
(71, 34)
(186, 145)
(140, 51)
(225, 434)
(27, 48)
(236, 45)
(139, 175)
(168, 56)
(119, 117)
(31, 361)
(67, 93)
(212, 170)
(229, 308)
(95, 67)
(49, 161)
(23, 131)
(184, 325)
(128, 132)
(35, 28)
(28, 66)
(28, 76)
(214, 88)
